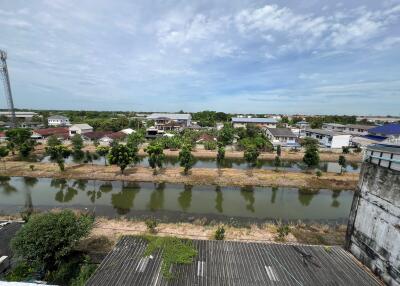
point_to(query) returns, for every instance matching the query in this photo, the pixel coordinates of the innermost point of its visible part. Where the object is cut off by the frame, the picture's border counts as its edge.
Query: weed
(151, 224)
(219, 233)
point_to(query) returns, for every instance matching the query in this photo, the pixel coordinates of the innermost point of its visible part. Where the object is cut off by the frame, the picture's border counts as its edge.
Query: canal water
(174, 202)
(240, 163)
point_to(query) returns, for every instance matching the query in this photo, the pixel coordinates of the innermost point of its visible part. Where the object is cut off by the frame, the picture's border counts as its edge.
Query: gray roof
(58, 117)
(172, 116)
(253, 120)
(325, 132)
(81, 126)
(233, 263)
(281, 132)
(360, 126)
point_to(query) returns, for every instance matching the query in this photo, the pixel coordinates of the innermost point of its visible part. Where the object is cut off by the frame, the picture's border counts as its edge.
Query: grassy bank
(197, 176)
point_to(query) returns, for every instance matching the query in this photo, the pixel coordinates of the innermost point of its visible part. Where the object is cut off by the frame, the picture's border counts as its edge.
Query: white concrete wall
(339, 141)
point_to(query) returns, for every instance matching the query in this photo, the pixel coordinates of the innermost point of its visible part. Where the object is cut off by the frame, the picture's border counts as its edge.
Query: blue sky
(310, 57)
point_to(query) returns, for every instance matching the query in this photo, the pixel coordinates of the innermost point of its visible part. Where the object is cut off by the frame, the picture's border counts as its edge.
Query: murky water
(241, 164)
(173, 201)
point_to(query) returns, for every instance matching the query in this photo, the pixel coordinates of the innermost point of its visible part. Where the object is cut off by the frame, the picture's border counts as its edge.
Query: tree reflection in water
(247, 193)
(273, 196)
(157, 197)
(306, 195)
(30, 182)
(123, 201)
(185, 197)
(218, 199)
(65, 193)
(335, 202)
(80, 184)
(6, 186)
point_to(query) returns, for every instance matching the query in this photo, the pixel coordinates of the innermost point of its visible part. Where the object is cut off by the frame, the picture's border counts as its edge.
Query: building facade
(58, 120)
(373, 233)
(281, 136)
(261, 122)
(80, 129)
(170, 121)
(329, 139)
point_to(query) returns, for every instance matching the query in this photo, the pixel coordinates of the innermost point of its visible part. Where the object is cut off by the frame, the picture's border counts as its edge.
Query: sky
(239, 56)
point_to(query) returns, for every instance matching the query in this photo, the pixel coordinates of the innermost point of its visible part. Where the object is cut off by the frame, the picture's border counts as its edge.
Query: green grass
(174, 251)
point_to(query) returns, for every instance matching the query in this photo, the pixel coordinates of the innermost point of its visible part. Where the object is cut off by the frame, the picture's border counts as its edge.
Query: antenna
(7, 86)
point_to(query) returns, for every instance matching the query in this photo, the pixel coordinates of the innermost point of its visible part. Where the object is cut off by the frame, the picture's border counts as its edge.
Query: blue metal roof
(374, 137)
(387, 129)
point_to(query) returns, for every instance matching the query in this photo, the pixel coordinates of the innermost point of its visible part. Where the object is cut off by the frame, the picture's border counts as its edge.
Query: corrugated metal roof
(233, 263)
(253, 120)
(387, 129)
(278, 132)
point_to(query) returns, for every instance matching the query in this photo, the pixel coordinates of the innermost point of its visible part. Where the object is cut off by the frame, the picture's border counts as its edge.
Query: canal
(174, 202)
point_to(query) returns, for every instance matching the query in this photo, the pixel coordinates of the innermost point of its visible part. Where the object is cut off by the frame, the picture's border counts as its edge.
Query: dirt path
(197, 176)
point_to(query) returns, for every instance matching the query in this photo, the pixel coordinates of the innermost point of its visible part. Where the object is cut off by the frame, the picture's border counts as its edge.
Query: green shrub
(283, 231)
(32, 167)
(346, 149)
(358, 149)
(219, 233)
(23, 271)
(48, 239)
(210, 145)
(151, 224)
(318, 173)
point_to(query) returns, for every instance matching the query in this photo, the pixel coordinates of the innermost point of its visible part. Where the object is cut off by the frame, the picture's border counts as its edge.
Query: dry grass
(197, 176)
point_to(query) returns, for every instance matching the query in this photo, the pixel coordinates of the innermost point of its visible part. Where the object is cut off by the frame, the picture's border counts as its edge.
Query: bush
(48, 239)
(358, 149)
(219, 233)
(21, 272)
(283, 231)
(32, 167)
(151, 225)
(318, 173)
(311, 156)
(210, 145)
(346, 149)
(251, 154)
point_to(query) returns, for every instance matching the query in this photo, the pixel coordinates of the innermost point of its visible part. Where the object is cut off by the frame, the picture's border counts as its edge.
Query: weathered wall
(373, 234)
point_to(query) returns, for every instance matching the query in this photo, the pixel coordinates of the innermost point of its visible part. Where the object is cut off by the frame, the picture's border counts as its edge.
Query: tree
(4, 153)
(342, 162)
(122, 156)
(77, 143)
(210, 145)
(278, 150)
(58, 154)
(156, 156)
(308, 141)
(103, 152)
(20, 138)
(135, 139)
(345, 149)
(48, 239)
(311, 156)
(226, 134)
(53, 141)
(251, 154)
(220, 153)
(186, 159)
(277, 162)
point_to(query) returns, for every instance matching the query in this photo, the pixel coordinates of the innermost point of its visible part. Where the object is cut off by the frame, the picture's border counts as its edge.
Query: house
(153, 132)
(95, 135)
(329, 138)
(59, 132)
(357, 129)
(282, 136)
(58, 120)
(170, 121)
(80, 129)
(333, 126)
(128, 131)
(111, 137)
(303, 124)
(205, 138)
(391, 130)
(261, 122)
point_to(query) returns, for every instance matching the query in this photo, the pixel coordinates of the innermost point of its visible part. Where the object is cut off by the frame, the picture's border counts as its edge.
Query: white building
(58, 120)
(354, 129)
(262, 122)
(328, 138)
(281, 136)
(170, 121)
(80, 129)
(25, 115)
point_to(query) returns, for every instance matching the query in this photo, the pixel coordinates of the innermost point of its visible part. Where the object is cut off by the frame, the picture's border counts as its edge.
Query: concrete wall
(373, 233)
(338, 141)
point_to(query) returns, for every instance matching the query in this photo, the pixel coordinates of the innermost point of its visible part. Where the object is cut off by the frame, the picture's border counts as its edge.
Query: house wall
(338, 141)
(373, 234)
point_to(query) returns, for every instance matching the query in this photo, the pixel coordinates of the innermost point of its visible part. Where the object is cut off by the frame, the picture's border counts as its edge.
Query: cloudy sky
(314, 56)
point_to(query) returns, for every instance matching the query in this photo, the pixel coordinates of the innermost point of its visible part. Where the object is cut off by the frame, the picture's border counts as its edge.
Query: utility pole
(7, 86)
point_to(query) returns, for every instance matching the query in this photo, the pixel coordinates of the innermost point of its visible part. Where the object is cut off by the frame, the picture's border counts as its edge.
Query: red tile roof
(59, 131)
(96, 134)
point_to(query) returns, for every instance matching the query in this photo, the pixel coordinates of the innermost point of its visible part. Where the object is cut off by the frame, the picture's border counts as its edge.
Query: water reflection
(123, 201)
(247, 193)
(172, 200)
(185, 197)
(219, 199)
(306, 195)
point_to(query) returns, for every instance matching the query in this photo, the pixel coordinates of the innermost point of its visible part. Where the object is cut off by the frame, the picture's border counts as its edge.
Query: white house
(262, 122)
(281, 136)
(170, 121)
(328, 138)
(58, 120)
(80, 129)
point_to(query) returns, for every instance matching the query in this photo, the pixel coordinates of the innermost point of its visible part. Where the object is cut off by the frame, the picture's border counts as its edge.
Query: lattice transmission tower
(7, 86)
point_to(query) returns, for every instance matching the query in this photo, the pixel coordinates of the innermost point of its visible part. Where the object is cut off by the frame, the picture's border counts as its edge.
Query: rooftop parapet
(385, 154)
